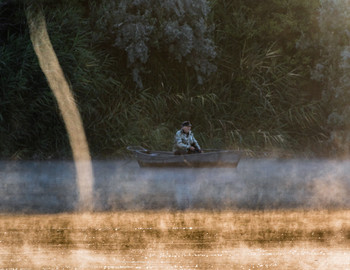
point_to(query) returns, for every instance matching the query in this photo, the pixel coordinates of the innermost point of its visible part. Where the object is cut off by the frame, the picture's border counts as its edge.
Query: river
(50, 186)
(264, 214)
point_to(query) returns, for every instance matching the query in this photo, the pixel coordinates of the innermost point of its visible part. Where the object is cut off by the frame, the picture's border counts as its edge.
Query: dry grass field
(279, 239)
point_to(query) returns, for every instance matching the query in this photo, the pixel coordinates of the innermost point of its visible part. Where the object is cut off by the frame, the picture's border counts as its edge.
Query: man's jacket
(183, 141)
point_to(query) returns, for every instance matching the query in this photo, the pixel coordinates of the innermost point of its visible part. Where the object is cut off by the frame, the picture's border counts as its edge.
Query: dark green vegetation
(258, 75)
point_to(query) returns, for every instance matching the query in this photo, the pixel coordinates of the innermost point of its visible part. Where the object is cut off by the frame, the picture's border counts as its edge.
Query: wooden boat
(209, 158)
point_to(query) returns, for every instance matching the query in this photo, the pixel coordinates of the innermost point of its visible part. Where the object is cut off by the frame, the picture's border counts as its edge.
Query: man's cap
(186, 124)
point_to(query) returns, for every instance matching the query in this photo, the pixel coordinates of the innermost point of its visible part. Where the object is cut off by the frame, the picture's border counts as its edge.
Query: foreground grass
(152, 239)
(206, 228)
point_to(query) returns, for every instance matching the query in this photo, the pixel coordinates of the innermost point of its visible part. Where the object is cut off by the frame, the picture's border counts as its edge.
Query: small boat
(209, 158)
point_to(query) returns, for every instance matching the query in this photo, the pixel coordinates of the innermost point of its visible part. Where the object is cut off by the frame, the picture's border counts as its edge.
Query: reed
(258, 98)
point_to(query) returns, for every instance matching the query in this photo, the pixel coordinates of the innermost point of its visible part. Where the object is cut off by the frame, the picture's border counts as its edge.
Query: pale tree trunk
(68, 108)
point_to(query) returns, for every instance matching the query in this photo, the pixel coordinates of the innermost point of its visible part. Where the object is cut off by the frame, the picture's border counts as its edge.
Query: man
(184, 142)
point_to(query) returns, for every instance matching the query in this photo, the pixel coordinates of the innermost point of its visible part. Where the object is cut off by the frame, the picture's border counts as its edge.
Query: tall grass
(265, 103)
(257, 99)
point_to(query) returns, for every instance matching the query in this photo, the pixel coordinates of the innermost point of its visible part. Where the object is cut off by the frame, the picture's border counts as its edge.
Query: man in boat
(184, 142)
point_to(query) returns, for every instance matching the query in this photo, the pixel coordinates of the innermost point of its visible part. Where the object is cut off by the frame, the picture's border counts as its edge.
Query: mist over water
(170, 239)
(50, 186)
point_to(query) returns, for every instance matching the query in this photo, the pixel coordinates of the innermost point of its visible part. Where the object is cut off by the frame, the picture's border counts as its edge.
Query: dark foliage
(139, 68)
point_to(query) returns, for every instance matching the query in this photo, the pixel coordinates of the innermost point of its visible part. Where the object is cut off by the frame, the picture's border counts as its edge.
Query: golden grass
(205, 239)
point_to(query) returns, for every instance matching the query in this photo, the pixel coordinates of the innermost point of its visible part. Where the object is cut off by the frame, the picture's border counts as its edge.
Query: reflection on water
(49, 186)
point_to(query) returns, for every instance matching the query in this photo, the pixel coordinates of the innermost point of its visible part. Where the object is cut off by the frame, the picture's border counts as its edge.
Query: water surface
(50, 186)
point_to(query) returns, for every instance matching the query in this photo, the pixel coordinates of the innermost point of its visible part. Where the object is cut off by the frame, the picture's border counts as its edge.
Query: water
(50, 186)
(264, 214)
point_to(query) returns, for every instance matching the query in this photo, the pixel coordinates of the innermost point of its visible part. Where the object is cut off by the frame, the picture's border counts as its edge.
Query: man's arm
(196, 144)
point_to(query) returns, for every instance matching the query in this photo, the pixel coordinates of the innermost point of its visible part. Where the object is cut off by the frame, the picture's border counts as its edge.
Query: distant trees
(249, 74)
(175, 29)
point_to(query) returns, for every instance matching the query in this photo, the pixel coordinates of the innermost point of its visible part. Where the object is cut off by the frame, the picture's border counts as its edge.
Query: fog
(50, 186)
(203, 218)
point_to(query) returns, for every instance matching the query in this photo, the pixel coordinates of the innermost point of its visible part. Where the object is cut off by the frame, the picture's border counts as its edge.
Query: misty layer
(50, 187)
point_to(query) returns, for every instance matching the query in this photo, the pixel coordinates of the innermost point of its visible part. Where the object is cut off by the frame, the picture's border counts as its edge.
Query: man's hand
(192, 149)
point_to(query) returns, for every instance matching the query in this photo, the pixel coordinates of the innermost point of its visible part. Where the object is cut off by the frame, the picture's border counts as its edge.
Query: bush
(170, 29)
